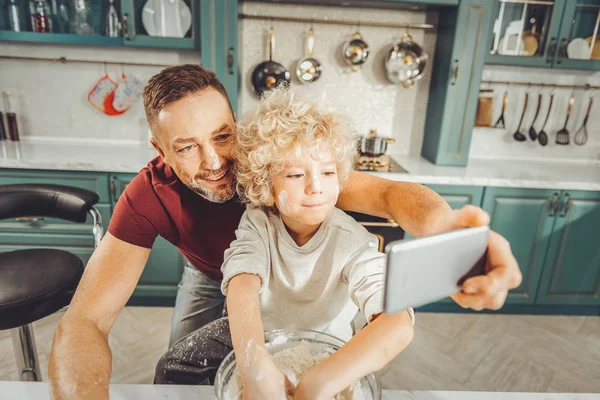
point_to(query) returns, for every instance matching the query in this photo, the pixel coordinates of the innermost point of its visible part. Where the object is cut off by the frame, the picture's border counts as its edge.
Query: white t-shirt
(318, 286)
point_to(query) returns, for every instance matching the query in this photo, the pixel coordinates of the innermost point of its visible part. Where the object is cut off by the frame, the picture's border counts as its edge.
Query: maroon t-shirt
(156, 202)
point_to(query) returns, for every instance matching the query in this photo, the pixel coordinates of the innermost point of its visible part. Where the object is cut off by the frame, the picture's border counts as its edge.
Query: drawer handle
(29, 219)
(390, 224)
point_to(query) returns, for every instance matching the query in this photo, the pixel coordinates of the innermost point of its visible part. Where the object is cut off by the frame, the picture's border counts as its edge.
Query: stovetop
(383, 163)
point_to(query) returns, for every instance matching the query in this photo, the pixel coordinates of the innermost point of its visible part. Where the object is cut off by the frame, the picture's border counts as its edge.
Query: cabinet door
(175, 25)
(16, 24)
(525, 217)
(462, 36)
(535, 23)
(580, 36)
(572, 270)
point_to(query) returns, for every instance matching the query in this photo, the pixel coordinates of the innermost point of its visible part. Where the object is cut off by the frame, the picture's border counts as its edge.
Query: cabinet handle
(29, 219)
(230, 60)
(113, 190)
(126, 26)
(554, 207)
(567, 205)
(390, 224)
(562, 52)
(552, 50)
(455, 73)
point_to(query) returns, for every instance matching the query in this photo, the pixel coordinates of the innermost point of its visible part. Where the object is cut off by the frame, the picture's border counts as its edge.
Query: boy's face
(307, 189)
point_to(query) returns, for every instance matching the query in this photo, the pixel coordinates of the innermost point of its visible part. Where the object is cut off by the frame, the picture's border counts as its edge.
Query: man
(187, 196)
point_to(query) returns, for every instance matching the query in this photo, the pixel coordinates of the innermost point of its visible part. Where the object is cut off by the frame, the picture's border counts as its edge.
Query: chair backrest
(45, 200)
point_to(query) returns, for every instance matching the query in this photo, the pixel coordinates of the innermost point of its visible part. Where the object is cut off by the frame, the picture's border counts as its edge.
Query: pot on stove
(373, 145)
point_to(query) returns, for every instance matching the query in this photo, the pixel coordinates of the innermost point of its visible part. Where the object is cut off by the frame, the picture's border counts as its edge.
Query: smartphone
(430, 268)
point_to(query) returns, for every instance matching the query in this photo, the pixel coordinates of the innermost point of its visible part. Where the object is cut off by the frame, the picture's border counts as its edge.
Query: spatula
(562, 136)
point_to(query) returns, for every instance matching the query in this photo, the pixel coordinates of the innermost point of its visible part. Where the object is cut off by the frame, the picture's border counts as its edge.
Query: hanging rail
(586, 87)
(64, 60)
(333, 21)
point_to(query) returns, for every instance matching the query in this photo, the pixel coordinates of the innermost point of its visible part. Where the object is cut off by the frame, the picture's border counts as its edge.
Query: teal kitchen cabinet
(571, 273)
(548, 27)
(457, 68)
(525, 217)
(158, 283)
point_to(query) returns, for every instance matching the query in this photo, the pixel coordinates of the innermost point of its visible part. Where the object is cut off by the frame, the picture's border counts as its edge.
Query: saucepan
(373, 145)
(405, 62)
(269, 74)
(355, 52)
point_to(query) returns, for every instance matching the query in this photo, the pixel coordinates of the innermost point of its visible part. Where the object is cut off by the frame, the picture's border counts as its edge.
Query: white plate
(166, 18)
(578, 49)
(508, 46)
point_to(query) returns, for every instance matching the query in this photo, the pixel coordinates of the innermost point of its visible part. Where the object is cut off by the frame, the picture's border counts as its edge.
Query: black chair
(35, 283)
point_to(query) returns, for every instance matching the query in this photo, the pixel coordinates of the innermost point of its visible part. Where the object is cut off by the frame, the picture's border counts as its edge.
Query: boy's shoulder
(348, 225)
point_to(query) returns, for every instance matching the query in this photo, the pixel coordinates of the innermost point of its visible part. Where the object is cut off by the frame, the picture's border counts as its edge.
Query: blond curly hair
(286, 126)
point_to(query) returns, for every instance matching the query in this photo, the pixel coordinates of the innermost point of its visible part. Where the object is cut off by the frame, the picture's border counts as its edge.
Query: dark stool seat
(35, 283)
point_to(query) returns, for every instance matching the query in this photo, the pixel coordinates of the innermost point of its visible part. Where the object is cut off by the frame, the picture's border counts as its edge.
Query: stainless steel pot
(373, 145)
(309, 68)
(355, 52)
(405, 62)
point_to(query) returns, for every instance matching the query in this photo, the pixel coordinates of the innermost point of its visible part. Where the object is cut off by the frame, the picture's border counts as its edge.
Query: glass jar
(40, 16)
(80, 18)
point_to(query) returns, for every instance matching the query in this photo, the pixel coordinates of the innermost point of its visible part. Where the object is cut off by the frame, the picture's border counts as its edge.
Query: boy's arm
(261, 379)
(369, 351)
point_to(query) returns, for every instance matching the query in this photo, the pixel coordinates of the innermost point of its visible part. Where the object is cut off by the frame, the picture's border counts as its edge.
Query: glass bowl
(275, 341)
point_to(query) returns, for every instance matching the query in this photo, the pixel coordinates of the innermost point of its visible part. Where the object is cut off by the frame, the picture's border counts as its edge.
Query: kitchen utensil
(269, 74)
(543, 136)
(562, 136)
(112, 25)
(355, 52)
(532, 133)
(518, 136)
(595, 53)
(128, 91)
(226, 379)
(166, 18)
(309, 68)
(101, 90)
(405, 62)
(60, 16)
(578, 49)
(80, 18)
(581, 136)
(39, 10)
(485, 107)
(13, 15)
(501, 123)
(373, 145)
(11, 119)
(531, 40)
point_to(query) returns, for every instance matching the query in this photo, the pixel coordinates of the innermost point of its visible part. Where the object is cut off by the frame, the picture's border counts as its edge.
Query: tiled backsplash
(366, 96)
(499, 143)
(50, 99)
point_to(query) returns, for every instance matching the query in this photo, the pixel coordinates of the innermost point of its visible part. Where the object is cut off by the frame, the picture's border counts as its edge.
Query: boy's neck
(301, 233)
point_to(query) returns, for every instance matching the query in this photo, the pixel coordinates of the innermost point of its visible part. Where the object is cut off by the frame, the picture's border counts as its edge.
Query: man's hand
(502, 271)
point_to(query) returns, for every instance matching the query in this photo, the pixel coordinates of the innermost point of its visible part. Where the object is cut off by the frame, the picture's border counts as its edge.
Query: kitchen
(544, 199)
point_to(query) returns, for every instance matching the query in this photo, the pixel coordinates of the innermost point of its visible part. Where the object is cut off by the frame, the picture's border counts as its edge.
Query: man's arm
(420, 211)
(80, 361)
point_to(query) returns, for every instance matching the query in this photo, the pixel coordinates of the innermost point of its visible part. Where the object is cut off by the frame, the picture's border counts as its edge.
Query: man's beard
(210, 194)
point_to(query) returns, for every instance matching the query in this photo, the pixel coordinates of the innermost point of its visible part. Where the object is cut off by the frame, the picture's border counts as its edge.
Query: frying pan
(269, 74)
(309, 68)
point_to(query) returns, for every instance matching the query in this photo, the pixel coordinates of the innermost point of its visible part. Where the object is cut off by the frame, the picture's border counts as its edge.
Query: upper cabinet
(545, 34)
(143, 23)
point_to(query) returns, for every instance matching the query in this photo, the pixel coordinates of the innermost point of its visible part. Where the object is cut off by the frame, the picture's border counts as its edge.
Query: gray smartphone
(430, 268)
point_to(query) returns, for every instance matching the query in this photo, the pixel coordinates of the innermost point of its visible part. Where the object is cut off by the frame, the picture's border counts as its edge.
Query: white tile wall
(50, 99)
(366, 96)
(498, 143)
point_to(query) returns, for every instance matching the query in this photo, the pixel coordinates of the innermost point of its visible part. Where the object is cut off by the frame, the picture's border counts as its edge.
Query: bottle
(11, 120)
(40, 16)
(60, 14)
(81, 18)
(13, 14)
(113, 24)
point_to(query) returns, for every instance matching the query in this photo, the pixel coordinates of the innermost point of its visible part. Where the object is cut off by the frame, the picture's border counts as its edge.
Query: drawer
(55, 226)
(118, 184)
(94, 181)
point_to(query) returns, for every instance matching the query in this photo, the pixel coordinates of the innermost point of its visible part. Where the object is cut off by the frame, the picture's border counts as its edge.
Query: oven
(385, 230)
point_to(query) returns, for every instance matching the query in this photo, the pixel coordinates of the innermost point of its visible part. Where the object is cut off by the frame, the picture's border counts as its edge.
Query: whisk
(581, 136)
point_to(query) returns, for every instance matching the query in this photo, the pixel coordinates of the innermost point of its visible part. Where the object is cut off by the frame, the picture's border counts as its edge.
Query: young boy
(297, 261)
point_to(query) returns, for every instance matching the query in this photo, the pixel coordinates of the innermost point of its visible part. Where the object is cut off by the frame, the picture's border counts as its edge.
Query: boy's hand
(263, 380)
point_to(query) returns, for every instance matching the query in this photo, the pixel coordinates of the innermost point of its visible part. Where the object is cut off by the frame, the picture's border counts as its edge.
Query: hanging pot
(269, 74)
(373, 145)
(309, 68)
(355, 52)
(405, 62)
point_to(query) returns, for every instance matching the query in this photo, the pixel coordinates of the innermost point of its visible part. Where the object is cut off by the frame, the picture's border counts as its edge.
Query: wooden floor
(449, 352)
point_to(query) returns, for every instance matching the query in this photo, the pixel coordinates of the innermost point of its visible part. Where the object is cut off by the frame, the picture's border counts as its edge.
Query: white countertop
(131, 158)
(40, 391)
